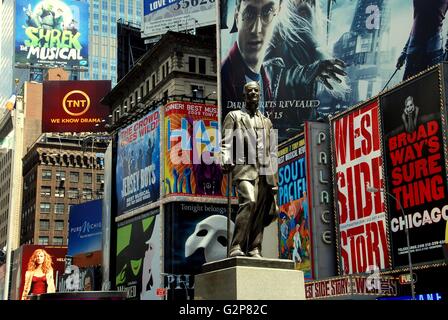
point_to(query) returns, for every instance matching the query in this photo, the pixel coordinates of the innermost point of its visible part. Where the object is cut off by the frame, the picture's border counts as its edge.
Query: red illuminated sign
(74, 106)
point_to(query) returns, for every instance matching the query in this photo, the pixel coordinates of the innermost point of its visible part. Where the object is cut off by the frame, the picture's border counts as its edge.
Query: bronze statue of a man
(249, 153)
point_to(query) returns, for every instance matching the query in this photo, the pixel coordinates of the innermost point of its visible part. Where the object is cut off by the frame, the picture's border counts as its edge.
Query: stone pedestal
(244, 278)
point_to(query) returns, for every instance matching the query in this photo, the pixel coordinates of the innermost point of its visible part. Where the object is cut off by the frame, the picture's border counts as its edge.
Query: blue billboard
(138, 163)
(52, 32)
(85, 228)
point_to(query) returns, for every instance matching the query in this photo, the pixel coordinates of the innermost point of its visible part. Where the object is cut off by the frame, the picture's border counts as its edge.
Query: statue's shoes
(236, 251)
(255, 253)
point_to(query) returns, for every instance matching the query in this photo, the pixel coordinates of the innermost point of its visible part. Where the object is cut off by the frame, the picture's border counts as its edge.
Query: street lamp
(373, 190)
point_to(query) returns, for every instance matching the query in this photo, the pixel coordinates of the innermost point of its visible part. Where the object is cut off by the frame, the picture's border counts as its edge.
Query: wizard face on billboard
(52, 32)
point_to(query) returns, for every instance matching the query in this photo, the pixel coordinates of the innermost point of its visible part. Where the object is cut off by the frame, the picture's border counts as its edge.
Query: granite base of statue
(246, 278)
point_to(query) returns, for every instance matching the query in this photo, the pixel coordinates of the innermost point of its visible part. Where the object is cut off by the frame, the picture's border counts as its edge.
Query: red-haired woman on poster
(39, 276)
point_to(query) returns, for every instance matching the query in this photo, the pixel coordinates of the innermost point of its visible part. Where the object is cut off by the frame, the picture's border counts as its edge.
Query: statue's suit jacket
(239, 147)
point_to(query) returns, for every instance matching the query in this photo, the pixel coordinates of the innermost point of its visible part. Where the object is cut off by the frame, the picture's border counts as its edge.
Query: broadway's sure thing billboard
(52, 32)
(138, 256)
(74, 106)
(360, 215)
(293, 54)
(415, 169)
(177, 15)
(191, 150)
(138, 163)
(294, 220)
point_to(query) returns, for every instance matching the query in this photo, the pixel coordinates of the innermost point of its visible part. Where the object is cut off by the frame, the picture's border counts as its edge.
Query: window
(45, 191)
(104, 28)
(192, 64)
(87, 194)
(153, 78)
(167, 67)
(45, 207)
(163, 72)
(201, 65)
(58, 241)
(147, 86)
(87, 178)
(197, 91)
(59, 225)
(44, 225)
(59, 193)
(43, 240)
(46, 174)
(59, 208)
(100, 178)
(104, 4)
(73, 193)
(96, 16)
(60, 175)
(74, 177)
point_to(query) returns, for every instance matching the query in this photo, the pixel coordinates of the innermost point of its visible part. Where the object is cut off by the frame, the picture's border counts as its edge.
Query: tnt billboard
(52, 32)
(74, 106)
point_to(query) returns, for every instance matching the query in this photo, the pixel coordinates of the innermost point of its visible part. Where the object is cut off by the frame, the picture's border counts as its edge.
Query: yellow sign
(70, 103)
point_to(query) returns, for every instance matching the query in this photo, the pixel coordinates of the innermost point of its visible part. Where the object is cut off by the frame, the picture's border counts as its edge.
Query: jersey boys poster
(360, 214)
(138, 163)
(52, 32)
(314, 58)
(415, 170)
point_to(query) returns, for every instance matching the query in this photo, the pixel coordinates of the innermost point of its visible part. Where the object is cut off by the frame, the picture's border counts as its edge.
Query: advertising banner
(320, 195)
(138, 163)
(177, 15)
(361, 216)
(195, 233)
(191, 150)
(138, 256)
(348, 287)
(74, 106)
(317, 57)
(80, 279)
(52, 32)
(21, 265)
(295, 236)
(415, 169)
(85, 228)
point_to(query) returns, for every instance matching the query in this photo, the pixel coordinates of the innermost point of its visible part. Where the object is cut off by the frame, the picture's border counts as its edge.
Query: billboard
(138, 256)
(295, 57)
(192, 150)
(138, 163)
(360, 214)
(21, 257)
(294, 220)
(52, 32)
(74, 106)
(320, 197)
(85, 228)
(80, 279)
(415, 169)
(347, 287)
(177, 15)
(195, 233)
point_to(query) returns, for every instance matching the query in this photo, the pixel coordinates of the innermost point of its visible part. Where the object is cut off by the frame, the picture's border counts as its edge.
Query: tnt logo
(76, 103)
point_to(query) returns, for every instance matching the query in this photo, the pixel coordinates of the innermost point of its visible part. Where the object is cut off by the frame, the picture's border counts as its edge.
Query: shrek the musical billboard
(52, 32)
